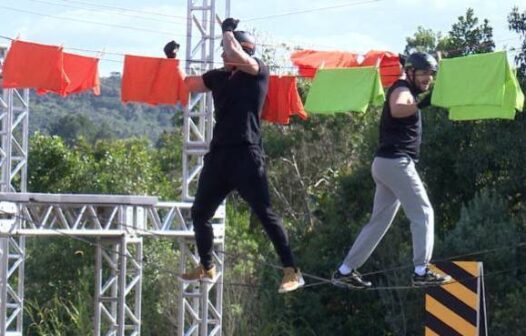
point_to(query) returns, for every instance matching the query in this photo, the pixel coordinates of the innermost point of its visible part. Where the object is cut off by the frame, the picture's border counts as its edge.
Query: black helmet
(421, 61)
(247, 41)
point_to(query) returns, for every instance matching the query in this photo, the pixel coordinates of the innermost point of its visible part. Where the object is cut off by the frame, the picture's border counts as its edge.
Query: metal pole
(98, 284)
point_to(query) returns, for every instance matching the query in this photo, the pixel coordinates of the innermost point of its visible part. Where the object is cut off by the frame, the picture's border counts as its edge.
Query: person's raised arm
(402, 103)
(193, 83)
(235, 55)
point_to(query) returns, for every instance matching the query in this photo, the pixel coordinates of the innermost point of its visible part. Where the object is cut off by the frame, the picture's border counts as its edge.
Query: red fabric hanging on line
(33, 65)
(282, 100)
(390, 68)
(308, 61)
(83, 74)
(153, 81)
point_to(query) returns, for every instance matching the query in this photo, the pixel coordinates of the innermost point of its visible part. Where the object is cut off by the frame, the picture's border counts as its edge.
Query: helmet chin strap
(412, 83)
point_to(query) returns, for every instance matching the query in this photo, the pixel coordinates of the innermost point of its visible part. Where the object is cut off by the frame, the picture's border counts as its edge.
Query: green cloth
(478, 87)
(345, 89)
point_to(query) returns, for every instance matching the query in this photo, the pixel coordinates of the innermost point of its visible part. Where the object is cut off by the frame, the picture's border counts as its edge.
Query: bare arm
(402, 103)
(240, 59)
(195, 84)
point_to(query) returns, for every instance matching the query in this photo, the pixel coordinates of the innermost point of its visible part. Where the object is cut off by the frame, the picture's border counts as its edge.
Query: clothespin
(378, 61)
(101, 53)
(218, 20)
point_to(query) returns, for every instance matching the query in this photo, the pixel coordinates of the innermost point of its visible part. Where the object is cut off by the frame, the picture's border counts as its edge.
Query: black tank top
(399, 136)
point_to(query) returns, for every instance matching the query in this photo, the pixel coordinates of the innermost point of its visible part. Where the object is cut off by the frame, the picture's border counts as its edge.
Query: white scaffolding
(200, 305)
(14, 113)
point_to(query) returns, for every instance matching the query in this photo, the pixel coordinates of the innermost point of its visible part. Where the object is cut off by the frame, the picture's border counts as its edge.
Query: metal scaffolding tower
(14, 112)
(200, 305)
(118, 222)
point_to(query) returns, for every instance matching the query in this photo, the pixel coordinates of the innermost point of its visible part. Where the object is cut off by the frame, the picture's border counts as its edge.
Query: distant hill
(104, 114)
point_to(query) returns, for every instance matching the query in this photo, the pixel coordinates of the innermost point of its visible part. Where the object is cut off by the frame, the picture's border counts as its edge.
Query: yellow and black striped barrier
(457, 308)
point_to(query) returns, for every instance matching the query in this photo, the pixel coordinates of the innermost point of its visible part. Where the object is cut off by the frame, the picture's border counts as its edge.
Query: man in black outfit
(235, 160)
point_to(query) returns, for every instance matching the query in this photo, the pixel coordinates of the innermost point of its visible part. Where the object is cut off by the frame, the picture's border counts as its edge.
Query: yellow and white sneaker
(199, 273)
(292, 280)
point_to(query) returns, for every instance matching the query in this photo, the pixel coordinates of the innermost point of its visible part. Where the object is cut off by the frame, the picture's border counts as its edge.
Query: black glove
(425, 101)
(171, 48)
(229, 24)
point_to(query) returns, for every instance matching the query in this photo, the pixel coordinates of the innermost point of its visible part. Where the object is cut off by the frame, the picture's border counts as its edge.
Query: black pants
(243, 169)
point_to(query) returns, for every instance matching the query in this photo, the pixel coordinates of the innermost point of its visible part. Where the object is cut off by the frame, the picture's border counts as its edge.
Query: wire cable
(93, 22)
(320, 280)
(117, 12)
(286, 69)
(310, 10)
(99, 5)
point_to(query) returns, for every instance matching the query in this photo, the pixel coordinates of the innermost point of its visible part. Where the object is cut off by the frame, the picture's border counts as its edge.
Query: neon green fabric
(344, 90)
(478, 87)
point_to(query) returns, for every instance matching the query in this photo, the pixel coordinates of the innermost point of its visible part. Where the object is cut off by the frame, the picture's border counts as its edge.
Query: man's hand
(425, 101)
(229, 24)
(171, 48)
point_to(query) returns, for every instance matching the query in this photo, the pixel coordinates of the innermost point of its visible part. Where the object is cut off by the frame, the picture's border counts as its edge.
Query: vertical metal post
(4, 247)
(195, 303)
(14, 134)
(98, 293)
(121, 286)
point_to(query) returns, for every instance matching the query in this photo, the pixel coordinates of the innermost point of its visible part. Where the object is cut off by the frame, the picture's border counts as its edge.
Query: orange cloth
(153, 80)
(308, 61)
(282, 100)
(32, 65)
(83, 74)
(390, 68)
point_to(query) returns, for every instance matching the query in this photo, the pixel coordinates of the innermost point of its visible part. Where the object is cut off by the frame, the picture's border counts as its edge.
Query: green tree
(468, 37)
(517, 23)
(56, 279)
(424, 40)
(486, 224)
(52, 165)
(71, 127)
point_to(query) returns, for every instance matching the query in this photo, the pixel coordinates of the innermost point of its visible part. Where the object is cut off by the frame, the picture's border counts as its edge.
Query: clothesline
(288, 70)
(142, 15)
(345, 85)
(119, 10)
(151, 80)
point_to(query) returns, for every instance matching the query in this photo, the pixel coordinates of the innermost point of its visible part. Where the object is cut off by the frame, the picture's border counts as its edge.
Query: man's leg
(409, 189)
(251, 183)
(212, 189)
(385, 207)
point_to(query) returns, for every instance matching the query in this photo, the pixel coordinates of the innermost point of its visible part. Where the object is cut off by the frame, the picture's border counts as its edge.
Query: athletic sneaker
(292, 280)
(199, 273)
(430, 279)
(352, 280)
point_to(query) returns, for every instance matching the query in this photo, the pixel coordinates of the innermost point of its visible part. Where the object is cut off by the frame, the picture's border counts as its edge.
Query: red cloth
(32, 65)
(390, 68)
(83, 74)
(153, 80)
(308, 61)
(282, 100)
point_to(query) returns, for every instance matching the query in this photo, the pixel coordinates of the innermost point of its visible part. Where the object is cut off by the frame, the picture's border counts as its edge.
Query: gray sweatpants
(397, 182)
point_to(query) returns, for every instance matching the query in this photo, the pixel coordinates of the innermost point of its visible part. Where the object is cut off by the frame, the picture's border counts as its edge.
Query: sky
(109, 29)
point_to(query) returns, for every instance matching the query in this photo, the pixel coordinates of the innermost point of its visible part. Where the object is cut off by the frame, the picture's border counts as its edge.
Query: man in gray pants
(396, 178)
